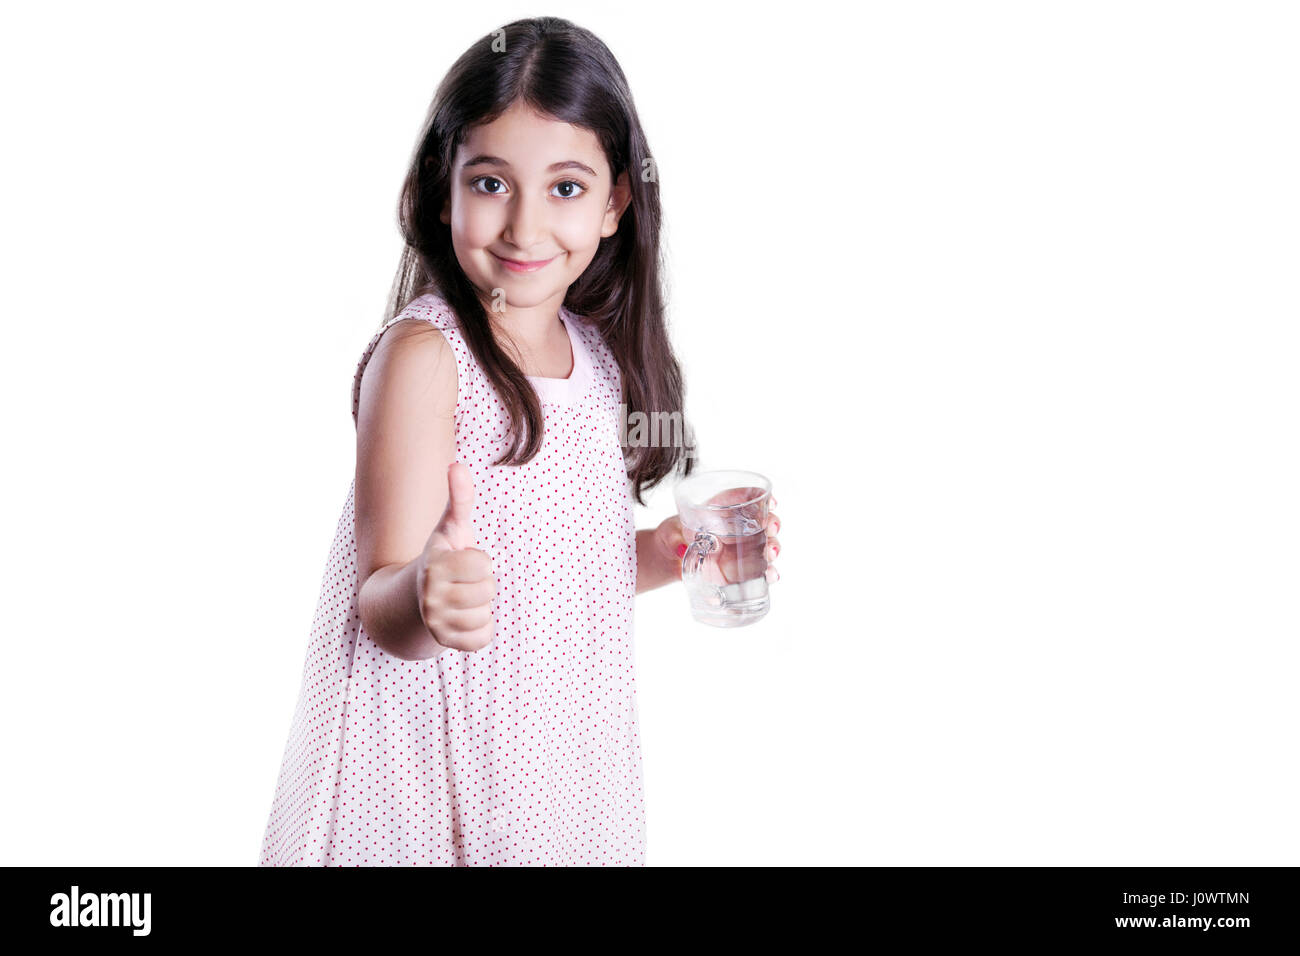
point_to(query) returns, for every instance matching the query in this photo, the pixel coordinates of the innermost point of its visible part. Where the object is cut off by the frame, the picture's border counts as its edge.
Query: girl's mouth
(514, 265)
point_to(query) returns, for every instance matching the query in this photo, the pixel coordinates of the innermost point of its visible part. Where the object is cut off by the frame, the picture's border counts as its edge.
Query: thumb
(455, 524)
(675, 536)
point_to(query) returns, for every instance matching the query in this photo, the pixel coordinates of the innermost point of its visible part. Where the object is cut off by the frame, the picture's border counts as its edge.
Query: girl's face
(530, 189)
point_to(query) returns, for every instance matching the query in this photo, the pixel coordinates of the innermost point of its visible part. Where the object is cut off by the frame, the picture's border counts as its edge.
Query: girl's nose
(524, 227)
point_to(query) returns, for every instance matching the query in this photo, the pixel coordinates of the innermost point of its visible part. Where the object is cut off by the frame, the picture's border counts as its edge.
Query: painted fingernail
(681, 550)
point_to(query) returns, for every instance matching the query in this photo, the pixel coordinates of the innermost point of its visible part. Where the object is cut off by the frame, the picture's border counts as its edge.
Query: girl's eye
(570, 184)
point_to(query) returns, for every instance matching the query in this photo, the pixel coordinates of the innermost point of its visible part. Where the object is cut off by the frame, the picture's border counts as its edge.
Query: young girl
(468, 696)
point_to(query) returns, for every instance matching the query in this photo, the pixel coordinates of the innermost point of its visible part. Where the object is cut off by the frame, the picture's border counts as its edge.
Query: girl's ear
(619, 197)
(445, 215)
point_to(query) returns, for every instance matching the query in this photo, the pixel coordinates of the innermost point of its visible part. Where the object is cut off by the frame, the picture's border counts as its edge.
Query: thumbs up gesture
(455, 584)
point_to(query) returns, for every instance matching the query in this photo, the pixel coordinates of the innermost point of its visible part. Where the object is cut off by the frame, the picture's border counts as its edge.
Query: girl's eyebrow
(485, 160)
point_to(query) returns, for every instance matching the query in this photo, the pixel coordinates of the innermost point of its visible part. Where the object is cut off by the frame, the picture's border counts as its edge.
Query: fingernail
(681, 550)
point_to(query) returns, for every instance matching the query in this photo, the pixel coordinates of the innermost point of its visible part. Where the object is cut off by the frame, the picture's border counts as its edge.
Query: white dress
(526, 752)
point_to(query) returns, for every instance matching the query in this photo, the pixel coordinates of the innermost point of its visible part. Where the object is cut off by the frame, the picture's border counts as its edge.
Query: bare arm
(406, 440)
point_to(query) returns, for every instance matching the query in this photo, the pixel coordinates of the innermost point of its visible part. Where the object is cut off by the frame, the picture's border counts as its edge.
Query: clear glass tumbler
(723, 569)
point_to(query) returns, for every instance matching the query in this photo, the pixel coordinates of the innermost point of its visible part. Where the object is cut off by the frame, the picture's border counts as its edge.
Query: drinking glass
(723, 569)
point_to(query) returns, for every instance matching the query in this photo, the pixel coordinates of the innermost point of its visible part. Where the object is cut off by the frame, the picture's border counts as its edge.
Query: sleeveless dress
(527, 751)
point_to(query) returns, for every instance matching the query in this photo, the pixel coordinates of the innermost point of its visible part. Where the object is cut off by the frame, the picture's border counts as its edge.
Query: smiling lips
(514, 265)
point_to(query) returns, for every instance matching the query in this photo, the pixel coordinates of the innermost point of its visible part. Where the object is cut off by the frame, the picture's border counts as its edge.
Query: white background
(1002, 296)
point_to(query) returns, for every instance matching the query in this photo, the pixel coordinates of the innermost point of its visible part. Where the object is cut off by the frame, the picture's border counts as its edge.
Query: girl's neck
(530, 333)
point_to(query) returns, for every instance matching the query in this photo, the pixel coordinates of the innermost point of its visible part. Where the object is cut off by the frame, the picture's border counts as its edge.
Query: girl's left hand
(672, 541)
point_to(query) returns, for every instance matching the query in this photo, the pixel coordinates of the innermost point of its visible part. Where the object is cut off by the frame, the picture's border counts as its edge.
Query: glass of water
(723, 569)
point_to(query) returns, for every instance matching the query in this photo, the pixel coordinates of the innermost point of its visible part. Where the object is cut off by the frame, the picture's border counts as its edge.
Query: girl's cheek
(579, 230)
(481, 227)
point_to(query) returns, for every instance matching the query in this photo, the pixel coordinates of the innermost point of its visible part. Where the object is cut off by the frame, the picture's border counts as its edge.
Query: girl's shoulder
(431, 308)
(429, 352)
(603, 361)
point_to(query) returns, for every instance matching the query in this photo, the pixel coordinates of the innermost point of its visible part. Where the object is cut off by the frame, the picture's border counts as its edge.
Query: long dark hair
(564, 72)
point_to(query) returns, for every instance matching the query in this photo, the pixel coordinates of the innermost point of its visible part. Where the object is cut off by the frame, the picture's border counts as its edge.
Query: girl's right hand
(454, 582)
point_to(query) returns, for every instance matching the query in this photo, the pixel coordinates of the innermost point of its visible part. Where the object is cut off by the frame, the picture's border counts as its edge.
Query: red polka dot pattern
(526, 752)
